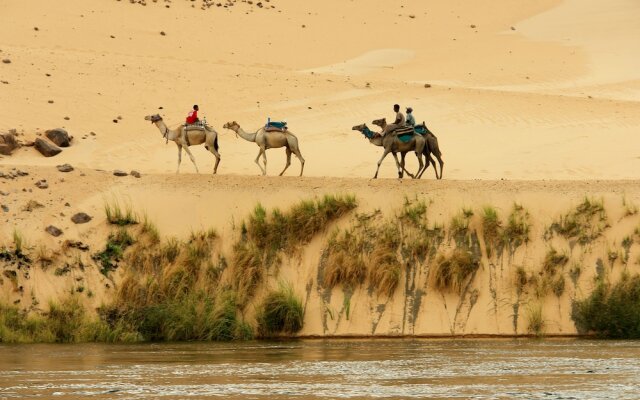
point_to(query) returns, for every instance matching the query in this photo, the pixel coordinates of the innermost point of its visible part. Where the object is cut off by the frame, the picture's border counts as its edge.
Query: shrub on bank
(280, 312)
(611, 311)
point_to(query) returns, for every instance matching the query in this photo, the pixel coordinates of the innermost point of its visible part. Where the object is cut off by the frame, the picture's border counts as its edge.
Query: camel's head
(364, 129)
(153, 118)
(380, 122)
(234, 126)
(359, 127)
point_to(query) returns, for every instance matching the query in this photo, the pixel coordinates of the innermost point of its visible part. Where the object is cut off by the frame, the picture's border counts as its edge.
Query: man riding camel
(399, 122)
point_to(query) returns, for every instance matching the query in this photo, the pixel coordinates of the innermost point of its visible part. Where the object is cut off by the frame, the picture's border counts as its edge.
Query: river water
(314, 369)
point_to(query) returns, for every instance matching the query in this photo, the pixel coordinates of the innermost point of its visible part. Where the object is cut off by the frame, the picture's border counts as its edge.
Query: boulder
(119, 172)
(42, 184)
(53, 231)
(59, 136)
(81, 218)
(64, 168)
(136, 174)
(8, 143)
(46, 148)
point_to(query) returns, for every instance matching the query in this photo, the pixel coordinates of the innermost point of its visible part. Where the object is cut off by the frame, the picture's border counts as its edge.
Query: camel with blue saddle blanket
(266, 139)
(431, 147)
(393, 144)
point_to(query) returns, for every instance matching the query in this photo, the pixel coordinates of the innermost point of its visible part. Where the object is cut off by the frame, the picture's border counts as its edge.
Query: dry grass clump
(535, 319)
(345, 260)
(280, 312)
(118, 215)
(516, 231)
(150, 230)
(459, 227)
(384, 266)
(491, 229)
(584, 224)
(521, 279)
(452, 272)
(264, 235)
(554, 260)
(630, 209)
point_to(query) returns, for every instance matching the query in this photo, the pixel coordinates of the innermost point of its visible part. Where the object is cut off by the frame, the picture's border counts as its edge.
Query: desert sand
(537, 103)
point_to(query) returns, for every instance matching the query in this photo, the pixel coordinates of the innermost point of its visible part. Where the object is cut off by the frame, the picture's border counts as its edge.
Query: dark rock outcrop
(47, 148)
(59, 136)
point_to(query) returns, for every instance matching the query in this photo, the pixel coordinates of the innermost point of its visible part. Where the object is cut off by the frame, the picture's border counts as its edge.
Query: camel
(270, 140)
(392, 144)
(431, 147)
(434, 148)
(184, 139)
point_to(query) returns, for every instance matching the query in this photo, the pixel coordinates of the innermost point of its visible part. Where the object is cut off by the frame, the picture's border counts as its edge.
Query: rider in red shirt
(192, 118)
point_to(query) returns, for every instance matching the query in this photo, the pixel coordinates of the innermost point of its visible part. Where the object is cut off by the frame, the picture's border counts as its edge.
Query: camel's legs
(288, 161)
(193, 160)
(441, 166)
(217, 155)
(296, 151)
(258, 162)
(398, 165)
(421, 164)
(384, 154)
(264, 159)
(404, 169)
(179, 158)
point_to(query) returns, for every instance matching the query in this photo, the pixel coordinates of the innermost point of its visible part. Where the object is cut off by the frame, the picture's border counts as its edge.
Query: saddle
(276, 126)
(194, 127)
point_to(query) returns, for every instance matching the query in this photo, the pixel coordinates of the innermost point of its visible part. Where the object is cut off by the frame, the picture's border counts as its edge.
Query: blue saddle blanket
(405, 137)
(277, 124)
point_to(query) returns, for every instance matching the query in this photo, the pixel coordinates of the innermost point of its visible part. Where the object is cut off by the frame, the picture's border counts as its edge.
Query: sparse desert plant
(630, 209)
(151, 230)
(413, 212)
(584, 224)
(611, 310)
(344, 264)
(118, 215)
(491, 229)
(459, 226)
(575, 272)
(453, 271)
(280, 312)
(554, 260)
(516, 231)
(114, 250)
(521, 279)
(18, 242)
(384, 270)
(558, 285)
(44, 256)
(535, 320)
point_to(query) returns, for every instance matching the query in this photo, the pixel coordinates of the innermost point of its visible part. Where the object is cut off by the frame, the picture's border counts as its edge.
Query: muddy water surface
(313, 369)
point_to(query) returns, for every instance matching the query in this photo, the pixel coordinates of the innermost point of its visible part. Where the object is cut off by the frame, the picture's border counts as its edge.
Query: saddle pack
(275, 126)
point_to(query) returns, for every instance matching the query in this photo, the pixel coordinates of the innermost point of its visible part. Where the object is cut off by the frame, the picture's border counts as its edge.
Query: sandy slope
(556, 98)
(179, 207)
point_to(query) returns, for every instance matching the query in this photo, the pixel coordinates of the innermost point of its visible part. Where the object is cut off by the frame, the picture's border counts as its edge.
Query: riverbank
(362, 257)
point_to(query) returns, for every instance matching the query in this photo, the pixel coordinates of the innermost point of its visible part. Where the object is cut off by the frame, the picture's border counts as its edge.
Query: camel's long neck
(166, 132)
(250, 137)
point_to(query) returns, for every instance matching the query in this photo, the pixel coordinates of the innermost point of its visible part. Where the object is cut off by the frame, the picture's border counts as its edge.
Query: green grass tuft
(611, 311)
(453, 272)
(280, 312)
(584, 224)
(117, 215)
